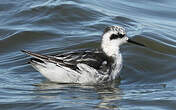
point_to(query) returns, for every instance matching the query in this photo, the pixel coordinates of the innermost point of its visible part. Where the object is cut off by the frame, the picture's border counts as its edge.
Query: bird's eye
(114, 36)
(121, 35)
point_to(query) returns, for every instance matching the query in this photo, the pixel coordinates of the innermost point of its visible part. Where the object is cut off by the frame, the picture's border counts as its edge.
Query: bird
(85, 66)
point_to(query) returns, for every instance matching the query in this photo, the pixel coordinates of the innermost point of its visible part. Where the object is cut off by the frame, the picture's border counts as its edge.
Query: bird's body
(87, 66)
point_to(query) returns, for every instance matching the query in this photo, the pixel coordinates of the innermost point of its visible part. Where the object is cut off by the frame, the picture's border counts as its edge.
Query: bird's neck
(116, 66)
(110, 48)
(111, 51)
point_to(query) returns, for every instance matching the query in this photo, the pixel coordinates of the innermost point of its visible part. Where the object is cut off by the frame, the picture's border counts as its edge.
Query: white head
(112, 38)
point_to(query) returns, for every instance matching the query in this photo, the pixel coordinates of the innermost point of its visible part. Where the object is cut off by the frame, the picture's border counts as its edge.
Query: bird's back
(80, 66)
(94, 58)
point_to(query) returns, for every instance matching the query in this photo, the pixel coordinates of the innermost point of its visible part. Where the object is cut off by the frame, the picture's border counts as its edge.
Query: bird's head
(112, 38)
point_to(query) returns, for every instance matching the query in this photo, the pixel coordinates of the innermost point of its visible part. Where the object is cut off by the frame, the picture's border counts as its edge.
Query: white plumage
(88, 66)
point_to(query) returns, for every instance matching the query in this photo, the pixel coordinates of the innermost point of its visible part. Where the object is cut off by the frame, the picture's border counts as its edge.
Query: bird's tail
(41, 58)
(35, 55)
(36, 58)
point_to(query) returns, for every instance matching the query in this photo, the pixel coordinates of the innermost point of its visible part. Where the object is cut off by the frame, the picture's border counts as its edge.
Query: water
(148, 76)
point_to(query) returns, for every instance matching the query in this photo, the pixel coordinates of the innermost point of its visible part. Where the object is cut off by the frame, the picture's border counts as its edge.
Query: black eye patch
(114, 36)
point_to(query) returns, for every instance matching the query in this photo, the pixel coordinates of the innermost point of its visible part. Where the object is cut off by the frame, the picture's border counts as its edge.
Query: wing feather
(93, 58)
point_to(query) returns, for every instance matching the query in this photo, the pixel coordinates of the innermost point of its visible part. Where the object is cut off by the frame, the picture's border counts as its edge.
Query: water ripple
(54, 26)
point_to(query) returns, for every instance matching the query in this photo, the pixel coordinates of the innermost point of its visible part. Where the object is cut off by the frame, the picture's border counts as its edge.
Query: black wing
(93, 57)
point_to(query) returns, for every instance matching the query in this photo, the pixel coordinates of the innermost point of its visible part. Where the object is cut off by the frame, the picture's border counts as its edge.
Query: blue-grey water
(148, 77)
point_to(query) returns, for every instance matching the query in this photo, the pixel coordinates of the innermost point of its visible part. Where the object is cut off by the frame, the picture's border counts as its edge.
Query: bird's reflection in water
(106, 96)
(49, 90)
(110, 96)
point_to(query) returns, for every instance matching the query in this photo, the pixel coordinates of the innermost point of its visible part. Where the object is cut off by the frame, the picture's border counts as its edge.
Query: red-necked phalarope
(85, 66)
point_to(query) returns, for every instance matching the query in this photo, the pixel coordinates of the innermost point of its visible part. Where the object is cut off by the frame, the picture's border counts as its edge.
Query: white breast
(117, 67)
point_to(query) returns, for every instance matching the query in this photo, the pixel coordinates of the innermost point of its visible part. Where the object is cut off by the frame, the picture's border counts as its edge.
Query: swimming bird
(86, 66)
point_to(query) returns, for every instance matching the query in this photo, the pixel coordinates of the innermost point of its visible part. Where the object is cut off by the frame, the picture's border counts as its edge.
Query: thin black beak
(134, 42)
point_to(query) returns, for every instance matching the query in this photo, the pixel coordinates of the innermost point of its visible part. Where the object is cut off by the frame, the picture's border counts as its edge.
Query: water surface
(148, 76)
